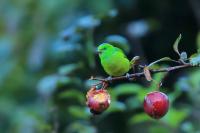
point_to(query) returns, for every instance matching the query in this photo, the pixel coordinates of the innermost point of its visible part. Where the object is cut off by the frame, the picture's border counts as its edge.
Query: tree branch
(140, 74)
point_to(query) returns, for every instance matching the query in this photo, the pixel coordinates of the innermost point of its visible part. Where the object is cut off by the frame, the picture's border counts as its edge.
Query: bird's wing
(120, 51)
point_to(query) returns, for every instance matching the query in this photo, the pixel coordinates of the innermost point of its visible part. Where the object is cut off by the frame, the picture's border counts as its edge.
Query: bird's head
(104, 47)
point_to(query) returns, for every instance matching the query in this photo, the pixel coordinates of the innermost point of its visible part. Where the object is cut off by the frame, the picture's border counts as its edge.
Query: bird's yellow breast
(116, 64)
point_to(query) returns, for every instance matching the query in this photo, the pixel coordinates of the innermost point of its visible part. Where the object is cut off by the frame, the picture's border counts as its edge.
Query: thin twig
(140, 74)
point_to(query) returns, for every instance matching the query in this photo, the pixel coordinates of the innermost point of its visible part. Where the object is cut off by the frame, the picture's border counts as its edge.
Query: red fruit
(156, 104)
(97, 100)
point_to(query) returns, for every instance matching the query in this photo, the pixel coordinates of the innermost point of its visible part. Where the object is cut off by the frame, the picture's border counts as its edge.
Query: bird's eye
(103, 48)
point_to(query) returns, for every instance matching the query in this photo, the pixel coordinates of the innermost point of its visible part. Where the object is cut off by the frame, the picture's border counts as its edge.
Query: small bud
(97, 100)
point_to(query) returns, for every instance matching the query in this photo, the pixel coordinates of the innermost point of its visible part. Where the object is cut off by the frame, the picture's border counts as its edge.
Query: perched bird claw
(128, 77)
(109, 79)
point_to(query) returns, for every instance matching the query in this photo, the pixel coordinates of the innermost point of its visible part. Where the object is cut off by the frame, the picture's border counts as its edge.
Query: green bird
(113, 60)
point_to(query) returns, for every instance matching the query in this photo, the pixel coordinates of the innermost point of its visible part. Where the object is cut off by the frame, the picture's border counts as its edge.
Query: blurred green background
(47, 56)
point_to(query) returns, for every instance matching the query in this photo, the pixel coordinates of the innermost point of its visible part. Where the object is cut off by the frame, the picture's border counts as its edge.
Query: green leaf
(158, 78)
(78, 112)
(198, 40)
(194, 86)
(116, 106)
(137, 91)
(63, 81)
(188, 127)
(124, 89)
(159, 129)
(173, 96)
(133, 103)
(195, 59)
(155, 66)
(194, 80)
(160, 60)
(175, 117)
(72, 94)
(90, 49)
(193, 55)
(69, 68)
(176, 43)
(80, 127)
(142, 93)
(139, 118)
(47, 85)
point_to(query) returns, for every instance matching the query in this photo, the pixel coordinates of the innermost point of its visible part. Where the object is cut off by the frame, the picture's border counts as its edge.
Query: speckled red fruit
(156, 104)
(97, 100)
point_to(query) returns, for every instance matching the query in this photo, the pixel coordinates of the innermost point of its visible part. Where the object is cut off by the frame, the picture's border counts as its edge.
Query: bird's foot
(127, 75)
(109, 79)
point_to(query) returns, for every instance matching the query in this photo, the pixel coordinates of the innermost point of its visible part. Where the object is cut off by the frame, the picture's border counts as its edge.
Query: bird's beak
(98, 52)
